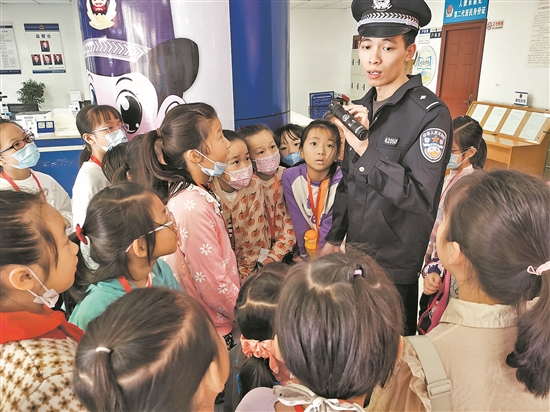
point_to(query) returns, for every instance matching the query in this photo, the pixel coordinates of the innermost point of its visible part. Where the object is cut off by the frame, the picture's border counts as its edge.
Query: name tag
(391, 141)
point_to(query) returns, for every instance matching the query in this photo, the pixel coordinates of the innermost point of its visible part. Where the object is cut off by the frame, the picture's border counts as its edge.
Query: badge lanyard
(317, 208)
(16, 188)
(126, 285)
(275, 199)
(95, 160)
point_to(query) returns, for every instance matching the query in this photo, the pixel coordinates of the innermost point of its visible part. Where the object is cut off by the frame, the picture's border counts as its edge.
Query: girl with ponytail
(178, 160)
(253, 361)
(101, 128)
(469, 153)
(494, 339)
(127, 229)
(165, 358)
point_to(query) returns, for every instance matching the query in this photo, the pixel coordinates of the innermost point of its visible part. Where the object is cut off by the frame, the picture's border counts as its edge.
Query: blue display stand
(59, 158)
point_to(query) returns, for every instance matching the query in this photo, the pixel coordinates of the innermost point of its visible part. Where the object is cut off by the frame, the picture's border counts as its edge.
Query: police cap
(387, 18)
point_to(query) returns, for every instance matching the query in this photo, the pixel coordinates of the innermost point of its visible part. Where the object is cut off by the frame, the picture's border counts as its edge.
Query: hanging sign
(458, 11)
(46, 51)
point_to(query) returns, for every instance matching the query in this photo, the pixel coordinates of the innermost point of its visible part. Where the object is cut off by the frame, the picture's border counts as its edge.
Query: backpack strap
(438, 385)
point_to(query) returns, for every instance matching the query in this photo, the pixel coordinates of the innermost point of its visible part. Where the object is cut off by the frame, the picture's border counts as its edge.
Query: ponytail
(254, 373)
(107, 393)
(478, 159)
(467, 133)
(120, 174)
(85, 155)
(531, 355)
(185, 127)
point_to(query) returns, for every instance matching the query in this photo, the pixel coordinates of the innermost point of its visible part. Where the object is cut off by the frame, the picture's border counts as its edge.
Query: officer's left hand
(361, 115)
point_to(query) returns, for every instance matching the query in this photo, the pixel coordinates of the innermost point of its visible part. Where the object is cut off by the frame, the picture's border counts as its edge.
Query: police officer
(387, 200)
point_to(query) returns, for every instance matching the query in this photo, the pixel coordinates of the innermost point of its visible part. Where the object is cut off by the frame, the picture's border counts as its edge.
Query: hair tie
(358, 272)
(538, 271)
(80, 234)
(102, 349)
(158, 133)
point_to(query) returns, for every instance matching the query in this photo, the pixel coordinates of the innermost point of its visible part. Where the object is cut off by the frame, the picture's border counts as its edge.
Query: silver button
(361, 169)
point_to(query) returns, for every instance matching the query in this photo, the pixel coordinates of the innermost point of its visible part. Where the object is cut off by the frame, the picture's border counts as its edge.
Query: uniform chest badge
(381, 5)
(432, 144)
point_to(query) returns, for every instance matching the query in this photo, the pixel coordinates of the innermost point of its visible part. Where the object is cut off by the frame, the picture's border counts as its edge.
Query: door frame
(462, 26)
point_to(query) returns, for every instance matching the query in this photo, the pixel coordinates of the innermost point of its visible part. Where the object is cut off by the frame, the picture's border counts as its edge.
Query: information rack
(517, 137)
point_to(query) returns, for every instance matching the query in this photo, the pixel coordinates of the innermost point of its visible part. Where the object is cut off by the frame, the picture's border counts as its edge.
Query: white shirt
(55, 194)
(89, 181)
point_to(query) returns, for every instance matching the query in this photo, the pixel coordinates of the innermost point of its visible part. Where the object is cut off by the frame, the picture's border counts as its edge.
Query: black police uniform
(388, 197)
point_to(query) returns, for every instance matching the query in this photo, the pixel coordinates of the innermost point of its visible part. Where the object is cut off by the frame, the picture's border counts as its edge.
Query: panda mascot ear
(172, 67)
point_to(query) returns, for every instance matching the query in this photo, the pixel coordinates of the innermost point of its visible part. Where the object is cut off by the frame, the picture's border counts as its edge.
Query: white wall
(320, 53)
(504, 64)
(57, 84)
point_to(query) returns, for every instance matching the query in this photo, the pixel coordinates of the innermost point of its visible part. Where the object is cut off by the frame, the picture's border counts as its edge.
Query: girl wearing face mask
(469, 152)
(37, 344)
(179, 159)
(18, 155)
(287, 138)
(101, 129)
(242, 201)
(265, 160)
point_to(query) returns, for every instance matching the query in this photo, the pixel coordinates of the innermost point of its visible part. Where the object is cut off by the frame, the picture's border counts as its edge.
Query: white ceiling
(320, 4)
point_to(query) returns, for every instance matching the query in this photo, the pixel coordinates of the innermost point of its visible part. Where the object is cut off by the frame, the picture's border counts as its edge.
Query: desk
(59, 157)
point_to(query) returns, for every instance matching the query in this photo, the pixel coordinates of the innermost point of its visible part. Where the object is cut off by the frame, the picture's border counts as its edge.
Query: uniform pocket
(384, 146)
(384, 232)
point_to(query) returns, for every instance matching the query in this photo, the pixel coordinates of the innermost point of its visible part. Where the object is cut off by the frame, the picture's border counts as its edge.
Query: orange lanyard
(126, 285)
(275, 199)
(317, 208)
(95, 160)
(16, 188)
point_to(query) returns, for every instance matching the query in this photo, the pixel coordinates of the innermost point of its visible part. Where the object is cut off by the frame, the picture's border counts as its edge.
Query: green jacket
(102, 294)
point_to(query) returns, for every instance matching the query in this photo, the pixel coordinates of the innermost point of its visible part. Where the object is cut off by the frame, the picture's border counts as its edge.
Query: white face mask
(49, 298)
(114, 139)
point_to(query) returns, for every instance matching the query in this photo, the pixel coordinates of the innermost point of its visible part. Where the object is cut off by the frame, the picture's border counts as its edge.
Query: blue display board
(60, 159)
(459, 11)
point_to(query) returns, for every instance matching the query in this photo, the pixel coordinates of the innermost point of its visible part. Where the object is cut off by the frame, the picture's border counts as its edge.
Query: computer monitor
(22, 107)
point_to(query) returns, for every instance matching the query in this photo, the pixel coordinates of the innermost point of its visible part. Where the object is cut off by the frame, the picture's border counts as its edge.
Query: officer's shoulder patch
(432, 144)
(425, 98)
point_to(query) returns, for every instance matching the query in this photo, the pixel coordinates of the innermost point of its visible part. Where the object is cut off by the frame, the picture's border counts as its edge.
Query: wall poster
(46, 51)
(9, 61)
(539, 45)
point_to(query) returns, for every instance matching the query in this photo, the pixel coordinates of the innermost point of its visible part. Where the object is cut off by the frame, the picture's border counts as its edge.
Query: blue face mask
(291, 159)
(114, 139)
(218, 170)
(453, 161)
(27, 157)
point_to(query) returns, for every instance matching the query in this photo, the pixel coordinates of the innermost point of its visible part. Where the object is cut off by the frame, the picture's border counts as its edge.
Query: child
(493, 340)
(242, 201)
(337, 324)
(331, 118)
(265, 159)
(129, 170)
(127, 230)
(164, 357)
(287, 138)
(469, 152)
(18, 155)
(182, 155)
(37, 262)
(101, 129)
(310, 187)
(255, 314)
(113, 159)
